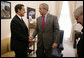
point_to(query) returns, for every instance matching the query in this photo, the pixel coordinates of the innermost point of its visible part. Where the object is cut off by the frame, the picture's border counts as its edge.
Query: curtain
(58, 8)
(72, 6)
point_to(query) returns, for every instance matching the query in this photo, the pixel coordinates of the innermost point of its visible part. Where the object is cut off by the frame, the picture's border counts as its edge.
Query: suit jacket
(80, 46)
(19, 34)
(50, 34)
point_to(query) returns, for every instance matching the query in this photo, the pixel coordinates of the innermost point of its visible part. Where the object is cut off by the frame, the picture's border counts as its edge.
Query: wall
(79, 3)
(5, 23)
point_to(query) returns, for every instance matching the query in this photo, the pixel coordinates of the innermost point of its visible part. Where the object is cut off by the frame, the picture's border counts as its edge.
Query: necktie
(43, 22)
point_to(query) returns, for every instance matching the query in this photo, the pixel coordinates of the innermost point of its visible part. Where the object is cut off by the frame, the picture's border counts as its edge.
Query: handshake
(31, 41)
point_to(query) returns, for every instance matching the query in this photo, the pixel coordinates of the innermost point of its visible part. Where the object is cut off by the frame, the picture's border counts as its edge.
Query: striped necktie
(43, 22)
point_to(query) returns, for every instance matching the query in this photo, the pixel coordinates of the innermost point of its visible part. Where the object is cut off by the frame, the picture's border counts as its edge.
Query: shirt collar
(46, 14)
(19, 16)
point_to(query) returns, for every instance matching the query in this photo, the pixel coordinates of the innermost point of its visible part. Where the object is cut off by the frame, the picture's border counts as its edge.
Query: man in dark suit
(47, 29)
(19, 33)
(78, 13)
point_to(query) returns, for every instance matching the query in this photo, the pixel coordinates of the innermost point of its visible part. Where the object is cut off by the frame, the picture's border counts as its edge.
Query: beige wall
(5, 23)
(79, 3)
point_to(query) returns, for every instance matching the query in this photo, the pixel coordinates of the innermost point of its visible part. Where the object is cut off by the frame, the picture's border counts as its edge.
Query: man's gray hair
(78, 11)
(45, 6)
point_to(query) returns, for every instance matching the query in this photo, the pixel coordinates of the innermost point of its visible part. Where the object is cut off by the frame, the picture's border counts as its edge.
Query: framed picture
(31, 13)
(5, 10)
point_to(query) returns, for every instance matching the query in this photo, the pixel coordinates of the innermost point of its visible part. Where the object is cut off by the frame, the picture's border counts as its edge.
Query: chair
(60, 46)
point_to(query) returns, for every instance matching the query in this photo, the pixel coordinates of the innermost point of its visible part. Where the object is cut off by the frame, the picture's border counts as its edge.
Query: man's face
(79, 19)
(22, 11)
(41, 10)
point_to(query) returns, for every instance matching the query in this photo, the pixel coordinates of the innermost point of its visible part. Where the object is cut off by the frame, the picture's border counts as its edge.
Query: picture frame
(31, 12)
(5, 10)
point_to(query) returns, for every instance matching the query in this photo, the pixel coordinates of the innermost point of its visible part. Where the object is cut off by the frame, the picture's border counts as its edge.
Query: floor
(68, 51)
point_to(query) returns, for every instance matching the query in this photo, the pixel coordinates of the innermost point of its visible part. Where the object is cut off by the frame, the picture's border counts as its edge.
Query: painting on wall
(5, 10)
(31, 13)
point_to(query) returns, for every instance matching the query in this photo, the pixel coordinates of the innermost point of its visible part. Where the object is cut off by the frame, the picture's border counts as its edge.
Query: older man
(47, 29)
(78, 13)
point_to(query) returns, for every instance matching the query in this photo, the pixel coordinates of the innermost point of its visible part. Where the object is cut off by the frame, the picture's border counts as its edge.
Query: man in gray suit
(47, 29)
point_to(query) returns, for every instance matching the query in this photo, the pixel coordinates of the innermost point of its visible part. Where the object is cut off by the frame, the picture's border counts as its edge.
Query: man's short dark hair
(18, 6)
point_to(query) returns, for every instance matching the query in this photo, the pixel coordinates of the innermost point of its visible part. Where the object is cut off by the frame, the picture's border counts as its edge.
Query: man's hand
(54, 45)
(30, 39)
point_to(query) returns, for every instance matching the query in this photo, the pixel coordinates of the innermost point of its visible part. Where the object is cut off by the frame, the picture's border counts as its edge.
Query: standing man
(47, 29)
(19, 32)
(78, 14)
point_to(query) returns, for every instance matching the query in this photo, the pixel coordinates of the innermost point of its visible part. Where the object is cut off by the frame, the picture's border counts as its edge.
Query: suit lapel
(21, 22)
(41, 22)
(47, 21)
